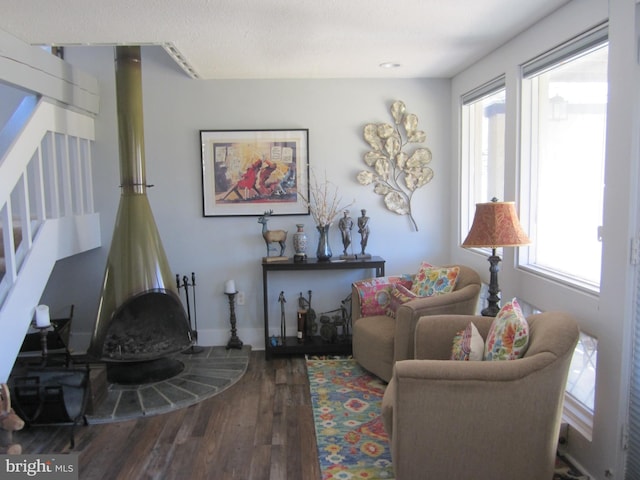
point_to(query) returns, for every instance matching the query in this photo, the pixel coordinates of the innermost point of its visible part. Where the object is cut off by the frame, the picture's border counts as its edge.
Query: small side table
(51, 345)
(312, 345)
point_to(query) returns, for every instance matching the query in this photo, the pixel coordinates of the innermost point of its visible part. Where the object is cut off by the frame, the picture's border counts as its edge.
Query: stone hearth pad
(205, 374)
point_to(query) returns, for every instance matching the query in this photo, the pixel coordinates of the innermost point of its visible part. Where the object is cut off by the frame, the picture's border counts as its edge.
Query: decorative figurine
(363, 228)
(345, 306)
(283, 324)
(346, 225)
(272, 236)
(335, 328)
(311, 324)
(302, 325)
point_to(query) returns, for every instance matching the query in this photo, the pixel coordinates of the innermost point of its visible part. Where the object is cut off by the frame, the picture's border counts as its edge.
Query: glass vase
(324, 249)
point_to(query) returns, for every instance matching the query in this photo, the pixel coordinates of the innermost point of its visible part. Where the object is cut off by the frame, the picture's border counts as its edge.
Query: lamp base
(490, 311)
(494, 290)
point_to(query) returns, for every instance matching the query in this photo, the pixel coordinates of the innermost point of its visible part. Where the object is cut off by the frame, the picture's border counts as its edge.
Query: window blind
(633, 452)
(580, 45)
(484, 90)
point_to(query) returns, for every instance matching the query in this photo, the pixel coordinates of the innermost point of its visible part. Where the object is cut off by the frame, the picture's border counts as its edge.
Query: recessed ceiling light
(389, 65)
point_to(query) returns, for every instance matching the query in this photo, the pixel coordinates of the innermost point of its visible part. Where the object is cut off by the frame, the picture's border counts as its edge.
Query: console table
(313, 345)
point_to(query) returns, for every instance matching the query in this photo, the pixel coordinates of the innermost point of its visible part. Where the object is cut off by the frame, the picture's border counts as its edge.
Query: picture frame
(249, 172)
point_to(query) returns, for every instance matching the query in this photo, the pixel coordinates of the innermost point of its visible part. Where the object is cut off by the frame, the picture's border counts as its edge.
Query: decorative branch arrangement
(396, 175)
(323, 201)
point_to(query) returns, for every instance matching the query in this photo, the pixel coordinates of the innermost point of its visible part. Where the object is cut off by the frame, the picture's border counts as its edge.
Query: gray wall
(176, 108)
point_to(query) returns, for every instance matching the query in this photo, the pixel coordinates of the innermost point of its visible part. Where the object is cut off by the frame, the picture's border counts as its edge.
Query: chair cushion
(432, 280)
(508, 335)
(375, 293)
(399, 295)
(468, 344)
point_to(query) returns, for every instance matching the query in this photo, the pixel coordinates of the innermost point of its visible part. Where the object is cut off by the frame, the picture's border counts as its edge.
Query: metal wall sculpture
(396, 174)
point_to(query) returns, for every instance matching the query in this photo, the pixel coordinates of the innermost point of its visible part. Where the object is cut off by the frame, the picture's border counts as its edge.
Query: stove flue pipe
(130, 120)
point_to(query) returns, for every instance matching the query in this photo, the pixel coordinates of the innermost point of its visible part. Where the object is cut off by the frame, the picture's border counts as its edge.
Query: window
(579, 399)
(581, 385)
(564, 126)
(483, 145)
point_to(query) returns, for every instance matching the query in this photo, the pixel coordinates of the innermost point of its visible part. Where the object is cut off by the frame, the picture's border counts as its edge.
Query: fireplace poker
(194, 329)
(195, 313)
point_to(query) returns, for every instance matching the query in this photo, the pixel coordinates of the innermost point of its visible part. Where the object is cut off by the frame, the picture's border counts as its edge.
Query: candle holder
(234, 341)
(44, 338)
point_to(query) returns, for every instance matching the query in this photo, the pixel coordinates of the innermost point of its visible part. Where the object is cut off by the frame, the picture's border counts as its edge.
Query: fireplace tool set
(194, 328)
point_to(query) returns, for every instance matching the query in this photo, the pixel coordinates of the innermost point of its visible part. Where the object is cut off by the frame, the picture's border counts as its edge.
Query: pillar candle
(42, 316)
(230, 286)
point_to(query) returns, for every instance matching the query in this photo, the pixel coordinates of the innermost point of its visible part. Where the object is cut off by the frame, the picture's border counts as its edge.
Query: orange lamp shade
(496, 224)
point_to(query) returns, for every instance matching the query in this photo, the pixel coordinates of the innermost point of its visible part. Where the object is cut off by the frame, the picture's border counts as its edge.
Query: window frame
(578, 46)
(467, 141)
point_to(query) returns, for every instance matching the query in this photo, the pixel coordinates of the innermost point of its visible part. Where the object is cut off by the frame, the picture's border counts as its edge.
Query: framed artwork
(247, 172)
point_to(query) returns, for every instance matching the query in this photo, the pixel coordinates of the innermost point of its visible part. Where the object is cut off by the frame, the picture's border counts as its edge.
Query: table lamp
(495, 224)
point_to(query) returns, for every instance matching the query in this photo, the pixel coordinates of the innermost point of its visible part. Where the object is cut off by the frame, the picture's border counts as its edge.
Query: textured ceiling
(286, 38)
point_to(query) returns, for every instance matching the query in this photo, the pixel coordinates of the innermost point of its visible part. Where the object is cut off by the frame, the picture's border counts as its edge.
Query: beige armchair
(380, 340)
(479, 420)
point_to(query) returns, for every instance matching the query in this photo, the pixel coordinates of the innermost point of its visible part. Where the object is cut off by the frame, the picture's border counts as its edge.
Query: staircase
(46, 208)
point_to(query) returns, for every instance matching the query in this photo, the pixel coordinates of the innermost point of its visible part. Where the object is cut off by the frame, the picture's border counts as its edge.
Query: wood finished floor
(260, 428)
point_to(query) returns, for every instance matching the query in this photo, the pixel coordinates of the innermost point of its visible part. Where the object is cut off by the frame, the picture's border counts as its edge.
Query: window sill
(578, 416)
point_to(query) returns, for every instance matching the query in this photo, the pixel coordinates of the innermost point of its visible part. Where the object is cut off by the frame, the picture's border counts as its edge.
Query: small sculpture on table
(336, 328)
(283, 323)
(311, 325)
(272, 237)
(346, 225)
(363, 229)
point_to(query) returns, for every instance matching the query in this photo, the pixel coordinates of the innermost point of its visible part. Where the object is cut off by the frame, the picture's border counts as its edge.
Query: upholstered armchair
(380, 340)
(479, 420)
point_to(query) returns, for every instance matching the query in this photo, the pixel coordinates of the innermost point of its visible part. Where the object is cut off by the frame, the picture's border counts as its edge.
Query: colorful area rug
(346, 404)
(352, 443)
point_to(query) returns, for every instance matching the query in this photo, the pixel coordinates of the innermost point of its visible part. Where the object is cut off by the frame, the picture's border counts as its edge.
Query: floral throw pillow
(508, 336)
(375, 293)
(468, 344)
(432, 280)
(399, 294)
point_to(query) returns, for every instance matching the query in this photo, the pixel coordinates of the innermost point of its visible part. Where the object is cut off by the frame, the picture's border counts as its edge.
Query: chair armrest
(460, 302)
(434, 334)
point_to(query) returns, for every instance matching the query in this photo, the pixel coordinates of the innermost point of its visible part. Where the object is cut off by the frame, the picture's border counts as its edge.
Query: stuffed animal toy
(9, 423)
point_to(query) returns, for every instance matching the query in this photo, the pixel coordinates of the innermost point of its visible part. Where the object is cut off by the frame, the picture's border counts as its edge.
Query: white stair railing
(46, 211)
